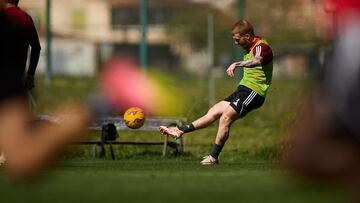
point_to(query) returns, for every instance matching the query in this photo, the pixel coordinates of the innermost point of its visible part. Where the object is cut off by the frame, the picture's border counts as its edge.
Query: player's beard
(245, 44)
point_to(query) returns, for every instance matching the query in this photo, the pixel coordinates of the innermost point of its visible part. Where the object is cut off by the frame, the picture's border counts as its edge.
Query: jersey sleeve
(265, 52)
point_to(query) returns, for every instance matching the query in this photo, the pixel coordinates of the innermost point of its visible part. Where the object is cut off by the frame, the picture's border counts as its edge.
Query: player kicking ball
(257, 67)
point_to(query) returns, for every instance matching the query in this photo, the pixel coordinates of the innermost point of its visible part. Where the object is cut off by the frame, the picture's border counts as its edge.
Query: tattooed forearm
(251, 62)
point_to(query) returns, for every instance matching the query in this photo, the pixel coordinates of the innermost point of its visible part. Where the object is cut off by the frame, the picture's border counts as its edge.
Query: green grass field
(250, 169)
(166, 180)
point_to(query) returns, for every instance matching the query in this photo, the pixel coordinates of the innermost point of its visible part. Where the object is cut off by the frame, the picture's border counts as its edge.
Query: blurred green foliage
(285, 23)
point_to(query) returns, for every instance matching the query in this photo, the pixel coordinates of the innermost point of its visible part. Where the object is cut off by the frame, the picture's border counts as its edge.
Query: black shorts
(244, 100)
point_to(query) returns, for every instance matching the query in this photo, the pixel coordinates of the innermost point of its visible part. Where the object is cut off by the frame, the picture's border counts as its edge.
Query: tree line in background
(284, 22)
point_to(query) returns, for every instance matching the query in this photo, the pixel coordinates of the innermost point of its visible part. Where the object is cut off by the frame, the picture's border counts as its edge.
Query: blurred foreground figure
(27, 146)
(326, 139)
(24, 34)
(31, 146)
(124, 85)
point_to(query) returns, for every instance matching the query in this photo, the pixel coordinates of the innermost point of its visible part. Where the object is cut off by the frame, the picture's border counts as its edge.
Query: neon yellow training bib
(257, 78)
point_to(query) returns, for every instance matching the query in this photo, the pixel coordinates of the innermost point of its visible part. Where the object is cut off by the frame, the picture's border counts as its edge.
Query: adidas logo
(236, 102)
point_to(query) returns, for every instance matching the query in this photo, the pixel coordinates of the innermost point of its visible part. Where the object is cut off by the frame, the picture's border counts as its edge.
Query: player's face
(242, 40)
(237, 38)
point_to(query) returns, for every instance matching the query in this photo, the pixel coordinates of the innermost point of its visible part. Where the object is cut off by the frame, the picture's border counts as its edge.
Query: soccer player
(24, 34)
(257, 67)
(28, 147)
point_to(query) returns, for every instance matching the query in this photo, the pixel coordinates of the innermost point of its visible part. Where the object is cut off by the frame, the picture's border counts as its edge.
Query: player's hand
(29, 82)
(230, 71)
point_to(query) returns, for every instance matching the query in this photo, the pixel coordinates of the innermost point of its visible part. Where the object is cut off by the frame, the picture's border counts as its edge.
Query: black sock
(187, 128)
(216, 151)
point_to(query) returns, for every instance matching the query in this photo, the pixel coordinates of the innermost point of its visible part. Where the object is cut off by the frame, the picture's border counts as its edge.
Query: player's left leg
(226, 119)
(242, 102)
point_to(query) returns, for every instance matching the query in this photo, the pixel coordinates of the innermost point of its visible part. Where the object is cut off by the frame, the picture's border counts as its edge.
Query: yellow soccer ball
(134, 117)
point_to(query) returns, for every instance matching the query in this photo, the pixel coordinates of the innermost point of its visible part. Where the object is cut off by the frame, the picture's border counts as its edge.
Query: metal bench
(151, 124)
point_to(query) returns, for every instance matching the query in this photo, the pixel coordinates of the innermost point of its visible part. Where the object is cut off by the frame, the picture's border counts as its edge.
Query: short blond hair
(243, 27)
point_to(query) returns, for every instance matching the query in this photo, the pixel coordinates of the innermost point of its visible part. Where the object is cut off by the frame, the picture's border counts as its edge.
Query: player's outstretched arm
(257, 60)
(230, 71)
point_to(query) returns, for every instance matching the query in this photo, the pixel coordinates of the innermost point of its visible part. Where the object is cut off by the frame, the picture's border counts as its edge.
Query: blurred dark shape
(326, 138)
(31, 146)
(28, 146)
(11, 83)
(108, 132)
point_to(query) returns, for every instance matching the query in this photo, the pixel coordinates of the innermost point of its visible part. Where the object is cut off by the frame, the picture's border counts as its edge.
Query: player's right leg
(213, 114)
(226, 119)
(243, 100)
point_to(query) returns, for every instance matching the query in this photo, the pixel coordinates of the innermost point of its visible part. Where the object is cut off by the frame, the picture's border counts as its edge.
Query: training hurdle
(151, 124)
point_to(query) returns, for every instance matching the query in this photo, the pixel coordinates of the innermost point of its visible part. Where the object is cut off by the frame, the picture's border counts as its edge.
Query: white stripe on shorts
(248, 100)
